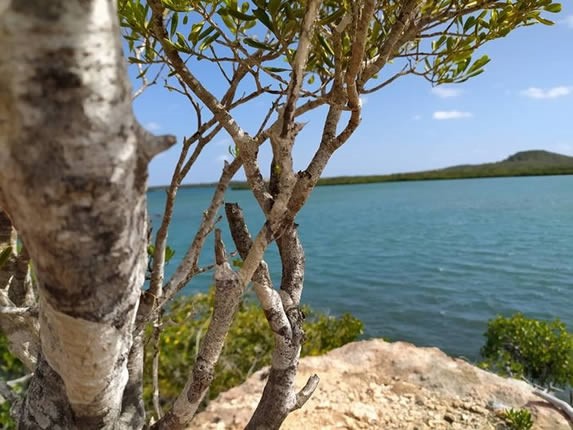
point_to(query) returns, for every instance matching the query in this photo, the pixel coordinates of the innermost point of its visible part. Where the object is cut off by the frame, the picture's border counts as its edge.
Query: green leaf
(276, 69)
(332, 17)
(264, 18)
(325, 45)
(169, 253)
(174, 22)
(544, 21)
(193, 36)
(205, 32)
(274, 6)
(237, 262)
(134, 60)
(256, 44)
(208, 41)
(478, 64)
(553, 8)
(236, 14)
(5, 255)
(470, 22)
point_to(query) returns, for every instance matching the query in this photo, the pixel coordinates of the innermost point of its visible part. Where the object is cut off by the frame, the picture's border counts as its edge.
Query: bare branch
(228, 292)
(299, 64)
(156, 336)
(153, 145)
(262, 284)
(188, 266)
(557, 403)
(393, 42)
(219, 111)
(7, 393)
(307, 391)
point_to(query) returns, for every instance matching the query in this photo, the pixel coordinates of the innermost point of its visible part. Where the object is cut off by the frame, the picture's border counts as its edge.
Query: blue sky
(524, 100)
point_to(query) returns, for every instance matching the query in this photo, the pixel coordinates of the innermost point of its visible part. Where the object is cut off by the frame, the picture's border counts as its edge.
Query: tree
(540, 351)
(73, 166)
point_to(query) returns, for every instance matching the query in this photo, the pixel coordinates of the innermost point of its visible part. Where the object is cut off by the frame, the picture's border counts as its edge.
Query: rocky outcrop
(378, 385)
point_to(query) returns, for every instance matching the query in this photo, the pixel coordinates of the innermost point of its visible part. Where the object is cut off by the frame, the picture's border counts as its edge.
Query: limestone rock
(392, 386)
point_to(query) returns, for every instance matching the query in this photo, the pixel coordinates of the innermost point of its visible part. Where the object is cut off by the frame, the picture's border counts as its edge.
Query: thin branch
(262, 283)
(228, 292)
(12, 310)
(7, 393)
(299, 65)
(557, 403)
(219, 111)
(156, 336)
(393, 42)
(307, 391)
(152, 145)
(405, 71)
(188, 266)
(157, 271)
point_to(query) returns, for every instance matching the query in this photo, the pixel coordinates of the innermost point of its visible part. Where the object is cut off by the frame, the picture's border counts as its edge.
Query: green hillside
(526, 163)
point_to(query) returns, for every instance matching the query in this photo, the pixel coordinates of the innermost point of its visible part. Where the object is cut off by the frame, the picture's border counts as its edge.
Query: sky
(523, 101)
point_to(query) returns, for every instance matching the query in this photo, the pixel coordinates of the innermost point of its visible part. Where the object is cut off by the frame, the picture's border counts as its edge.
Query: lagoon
(427, 262)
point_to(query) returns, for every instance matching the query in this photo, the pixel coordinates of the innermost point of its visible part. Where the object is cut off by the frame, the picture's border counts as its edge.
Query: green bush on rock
(248, 346)
(540, 351)
(518, 419)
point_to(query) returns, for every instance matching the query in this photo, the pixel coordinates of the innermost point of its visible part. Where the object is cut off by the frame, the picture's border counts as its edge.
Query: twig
(306, 392)
(228, 292)
(7, 393)
(557, 403)
(156, 351)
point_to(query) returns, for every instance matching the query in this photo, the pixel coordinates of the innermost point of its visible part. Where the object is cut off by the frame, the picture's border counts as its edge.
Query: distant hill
(525, 163)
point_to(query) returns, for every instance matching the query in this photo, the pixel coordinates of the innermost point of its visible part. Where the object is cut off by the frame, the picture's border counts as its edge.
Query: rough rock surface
(378, 385)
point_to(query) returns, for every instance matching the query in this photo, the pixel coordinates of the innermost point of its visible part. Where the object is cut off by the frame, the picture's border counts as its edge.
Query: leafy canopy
(435, 39)
(523, 347)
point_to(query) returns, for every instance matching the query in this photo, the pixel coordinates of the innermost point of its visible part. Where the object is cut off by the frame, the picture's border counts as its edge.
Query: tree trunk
(73, 167)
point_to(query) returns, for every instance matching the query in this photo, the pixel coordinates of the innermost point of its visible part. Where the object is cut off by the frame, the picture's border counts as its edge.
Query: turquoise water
(426, 262)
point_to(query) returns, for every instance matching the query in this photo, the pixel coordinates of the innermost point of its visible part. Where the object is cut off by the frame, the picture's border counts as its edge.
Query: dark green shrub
(248, 346)
(540, 351)
(518, 419)
(10, 368)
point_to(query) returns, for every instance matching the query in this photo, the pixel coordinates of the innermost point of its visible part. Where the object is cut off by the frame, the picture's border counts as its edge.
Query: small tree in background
(73, 168)
(540, 351)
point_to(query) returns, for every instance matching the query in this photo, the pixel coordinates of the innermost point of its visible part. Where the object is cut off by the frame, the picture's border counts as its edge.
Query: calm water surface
(427, 262)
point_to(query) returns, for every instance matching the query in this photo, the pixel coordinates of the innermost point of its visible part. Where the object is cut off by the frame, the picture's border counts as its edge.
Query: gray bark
(228, 293)
(73, 167)
(285, 320)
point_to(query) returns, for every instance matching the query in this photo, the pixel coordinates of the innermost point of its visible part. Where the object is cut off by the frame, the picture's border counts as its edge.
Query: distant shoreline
(526, 163)
(363, 180)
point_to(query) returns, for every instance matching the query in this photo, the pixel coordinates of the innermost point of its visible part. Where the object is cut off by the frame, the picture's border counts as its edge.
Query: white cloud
(451, 114)
(446, 92)
(363, 100)
(153, 126)
(550, 93)
(568, 21)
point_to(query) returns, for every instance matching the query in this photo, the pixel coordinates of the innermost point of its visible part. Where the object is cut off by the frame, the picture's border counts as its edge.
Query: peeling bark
(132, 406)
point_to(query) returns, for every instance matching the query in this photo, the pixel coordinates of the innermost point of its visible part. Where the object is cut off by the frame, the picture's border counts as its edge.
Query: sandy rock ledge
(379, 385)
